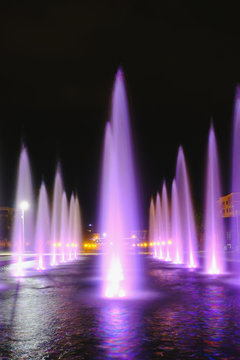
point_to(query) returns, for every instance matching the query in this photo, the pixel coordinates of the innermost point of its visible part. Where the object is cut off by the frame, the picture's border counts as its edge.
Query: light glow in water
(23, 232)
(214, 232)
(118, 209)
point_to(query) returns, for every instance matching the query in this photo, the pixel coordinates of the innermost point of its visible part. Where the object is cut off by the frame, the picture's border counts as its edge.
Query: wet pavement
(178, 314)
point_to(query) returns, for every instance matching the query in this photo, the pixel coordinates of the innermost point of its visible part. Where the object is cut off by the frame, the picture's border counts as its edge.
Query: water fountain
(187, 215)
(158, 227)
(70, 243)
(118, 208)
(152, 226)
(214, 233)
(56, 216)
(64, 227)
(166, 242)
(77, 228)
(176, 228)
(23, 233)
(42, 232)
(235, 226)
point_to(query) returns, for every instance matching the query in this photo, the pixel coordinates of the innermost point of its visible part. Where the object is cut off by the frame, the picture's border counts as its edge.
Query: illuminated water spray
(64, 227)
(77, 228)
(118, 211)
(42, 232)
(187, 216)
(166, 242)
(214, 234)
(176, 227)
(23, 234)
(70, 244)
(235, 233)
(158, 228)
(56, 216)
(152, 227)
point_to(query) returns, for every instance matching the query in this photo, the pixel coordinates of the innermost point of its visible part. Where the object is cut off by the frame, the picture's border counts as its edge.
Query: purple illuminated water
(152, 226)
(176, 226)
(23, 232)
(70, 244)
(56, 216)
(187, 214)
(42, 232)
(64, 227)
(236, 173)
(166, 241)
(158, 228)
(118, 211)
(214, 232)
(77, 228)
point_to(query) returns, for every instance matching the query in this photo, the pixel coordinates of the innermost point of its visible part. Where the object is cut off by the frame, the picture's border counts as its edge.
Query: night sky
(57, 64)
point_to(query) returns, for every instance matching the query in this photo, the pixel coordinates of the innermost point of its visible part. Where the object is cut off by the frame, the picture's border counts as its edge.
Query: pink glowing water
(56, 217)
(23, 232)
(235, 233)
(118, 211)
(152, 227)
(166, 241)
(64, 227)
(158, 228)
(70, 243)
(77, 228)
(42, 232)
(187, 214)
(176, 226)
(214, 232)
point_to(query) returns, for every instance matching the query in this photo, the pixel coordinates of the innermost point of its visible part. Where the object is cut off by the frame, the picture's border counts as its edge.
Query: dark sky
(57, 63)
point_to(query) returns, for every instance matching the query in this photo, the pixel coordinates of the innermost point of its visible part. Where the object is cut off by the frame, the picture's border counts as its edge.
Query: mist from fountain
(187, 214)
(77, 228)
(235, 223)
(176, 226)
(118, 208)
(70, 243)
(158, 228)
(64, 227)
(166, 241)
(42, 231)
(214, 229)
(23, 232)
(152, 227)
(56, 216)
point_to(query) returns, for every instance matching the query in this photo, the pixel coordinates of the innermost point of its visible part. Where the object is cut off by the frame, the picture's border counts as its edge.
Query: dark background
(57, 64)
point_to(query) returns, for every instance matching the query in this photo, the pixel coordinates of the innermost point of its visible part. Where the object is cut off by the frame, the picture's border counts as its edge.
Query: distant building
(230, 205)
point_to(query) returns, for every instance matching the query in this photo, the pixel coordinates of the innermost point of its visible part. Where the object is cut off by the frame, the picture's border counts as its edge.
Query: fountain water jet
(235, 225)
(42, 233)
(64, 226)
(22, 234)
(159, 227)
(70, 243)
(214, 233)
(77, 227)
(152, 226)
(187, 215)
(166, 224)
(118, 209)
(176, 228)
(56, 215)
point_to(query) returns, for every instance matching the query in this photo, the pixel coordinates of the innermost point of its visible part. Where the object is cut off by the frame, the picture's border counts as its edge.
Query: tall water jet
(70, 243)
(23, 234)
(42, 232)
(56, 216)
(64, 227)
(158, 228)
(77, 228)
(235, 210)
(152, 226)
(176, 228)
(118, 208)
(166, 225)
(187, 215)
(214, 233)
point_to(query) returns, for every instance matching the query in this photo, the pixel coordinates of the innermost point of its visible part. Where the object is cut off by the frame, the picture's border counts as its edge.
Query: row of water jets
(172, 228)
(48, 235)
